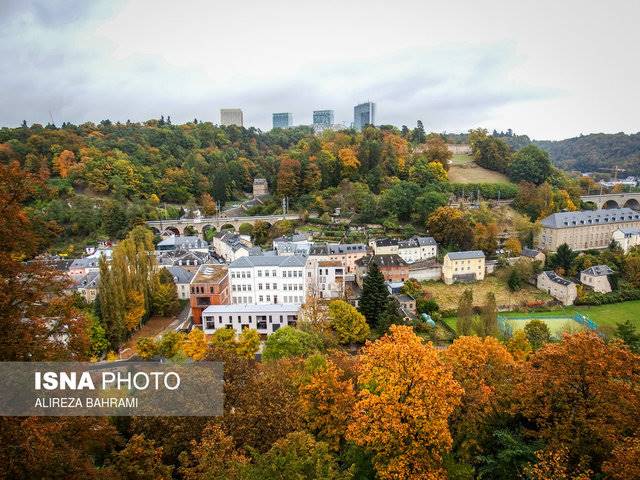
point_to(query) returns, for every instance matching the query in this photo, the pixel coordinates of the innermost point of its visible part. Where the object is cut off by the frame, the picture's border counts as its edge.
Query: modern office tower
(282, 120)
(231, 116)
(364, 114)
(323, 118)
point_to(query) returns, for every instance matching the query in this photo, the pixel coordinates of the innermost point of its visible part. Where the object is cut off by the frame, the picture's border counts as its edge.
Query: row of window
(267, 298)
(267, 273)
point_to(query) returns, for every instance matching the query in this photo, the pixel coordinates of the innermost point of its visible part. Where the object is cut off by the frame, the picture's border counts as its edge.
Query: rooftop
(630, 231)
(415, 242)
(188, 241)
(180, 275)
(382, 261)
(428, 263)
(590, 217)
(90, 280)
(269, 261)
(251, 308)
(337, 248)
(530, 252)
(209, 273)
(555, 278)
(298, 237)
(598, 271)
(468, 255)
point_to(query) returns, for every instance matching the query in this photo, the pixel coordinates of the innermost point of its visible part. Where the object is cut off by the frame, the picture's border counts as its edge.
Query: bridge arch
(168, 231)
(632, 203)
(156, 231)
(190, 230)
(609, 204)
(589, 205)
(228, 226)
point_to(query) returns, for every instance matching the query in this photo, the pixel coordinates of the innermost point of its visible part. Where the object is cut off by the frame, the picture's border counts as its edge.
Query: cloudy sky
(551, 69)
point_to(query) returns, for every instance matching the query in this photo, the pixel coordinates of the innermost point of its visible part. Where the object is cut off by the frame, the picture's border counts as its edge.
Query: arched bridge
(178, 226)
(614, 200)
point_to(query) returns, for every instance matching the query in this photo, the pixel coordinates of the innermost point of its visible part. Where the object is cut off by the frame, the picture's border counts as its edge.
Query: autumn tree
(196, 345)
(208, 204)
(141, 460)
(349, 162)
(63, 162)
(449, 226)
(289, 342)
(513, 246)
(624, 462)
(289, 175)
(580, 394)
(487, 324)
(405, 399)
(437, 151)
(538, 333)
(484, 369)
(164, 295)
(349, 324)
(248, 343)
(327, 400)
(519, 346)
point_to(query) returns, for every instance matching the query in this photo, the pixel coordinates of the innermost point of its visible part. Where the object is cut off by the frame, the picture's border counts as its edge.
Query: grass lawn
(469, 172)
(461, 159)
(603, 315)
(448, 296)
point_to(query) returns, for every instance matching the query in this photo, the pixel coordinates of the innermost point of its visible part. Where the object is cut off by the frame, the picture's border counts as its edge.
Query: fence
(577, 317)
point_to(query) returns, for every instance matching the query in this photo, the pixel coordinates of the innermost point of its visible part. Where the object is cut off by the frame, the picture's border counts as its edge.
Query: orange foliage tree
(406, 397)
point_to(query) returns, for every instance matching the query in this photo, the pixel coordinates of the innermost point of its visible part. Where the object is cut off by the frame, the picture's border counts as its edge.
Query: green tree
(627, 332)
(170, 344)
(563, 258)
(490, 152)
(289, 342)
(464, 322)
(538, 333)
(164, 298)
(97, 336)
(297, 456)
(488, 321)
(391, 315)
(350, 325)
(375, 295)
(530, 164)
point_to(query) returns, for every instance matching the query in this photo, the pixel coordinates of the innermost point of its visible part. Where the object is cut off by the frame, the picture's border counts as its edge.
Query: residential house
(597, 277)
(326, 280)
(393, 267)
(558, 287)
(232, 246)
(209, 286)
(467, 266)
(182, 278)
(87, 286)
(186, 243)
(627, 238)
(345, 253)
(298, 244)
(411, 250)
(82, 266)
(190, 260)
(532, 255)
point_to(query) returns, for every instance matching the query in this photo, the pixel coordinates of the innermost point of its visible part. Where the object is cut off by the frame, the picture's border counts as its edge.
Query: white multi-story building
(326, 279)
(411, 250)
(267, 279)
(627, 238)
(266, 319)
(345, 253)
(185, 243)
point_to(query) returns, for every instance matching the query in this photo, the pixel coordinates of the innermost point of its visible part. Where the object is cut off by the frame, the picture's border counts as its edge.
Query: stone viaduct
(614, 200)
(178, 226)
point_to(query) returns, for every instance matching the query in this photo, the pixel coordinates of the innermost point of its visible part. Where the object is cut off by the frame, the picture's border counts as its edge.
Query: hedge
(595, 298)
(506, 191)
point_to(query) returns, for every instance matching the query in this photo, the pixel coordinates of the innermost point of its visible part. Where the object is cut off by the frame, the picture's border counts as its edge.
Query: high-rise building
(323, 118)
(231, 116)
(364, 114)
(282, 120)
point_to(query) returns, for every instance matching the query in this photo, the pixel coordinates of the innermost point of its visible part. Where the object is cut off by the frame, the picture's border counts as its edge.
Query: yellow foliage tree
(196, 346)
(135, 310)
(406, 397)
(513, 246)
(349, 161)
(248, 343)
(63, 162)
(348, 323)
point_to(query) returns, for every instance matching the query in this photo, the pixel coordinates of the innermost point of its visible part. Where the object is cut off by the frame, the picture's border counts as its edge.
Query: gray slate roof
(269, 261)
(468, 255)
(415, 242)
(90, 280)
(530, 252)
(551, 275)
(336, 248)
(598, 271)
(590, 217)
(180, 275)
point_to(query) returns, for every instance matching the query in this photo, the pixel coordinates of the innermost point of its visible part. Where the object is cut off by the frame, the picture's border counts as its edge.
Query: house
(82, 266)
(260, 187)
(533, 255)
(182, 278)
(627, 238)
(585, 230)
(345, 253)
(190, 260)
(298, 244)
(232, 246)
(597, 277)
(407, 304)
(468, 266)
(267, 279)
(393, 267)
(411, 250)
(425, 270)
(186, 243)
(209, 286)
(87, 286)
(326, 280)
(558, 287)
(266, 319)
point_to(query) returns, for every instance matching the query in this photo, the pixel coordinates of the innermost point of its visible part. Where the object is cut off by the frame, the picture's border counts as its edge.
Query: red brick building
(393, 267)
(209, 286)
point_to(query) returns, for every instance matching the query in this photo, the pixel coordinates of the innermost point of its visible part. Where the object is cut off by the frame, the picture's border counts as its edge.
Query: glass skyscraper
(282, 120)
(364, 114)
(323, 117)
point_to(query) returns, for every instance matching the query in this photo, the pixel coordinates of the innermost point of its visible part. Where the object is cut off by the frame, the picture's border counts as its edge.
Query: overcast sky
(550, 69)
